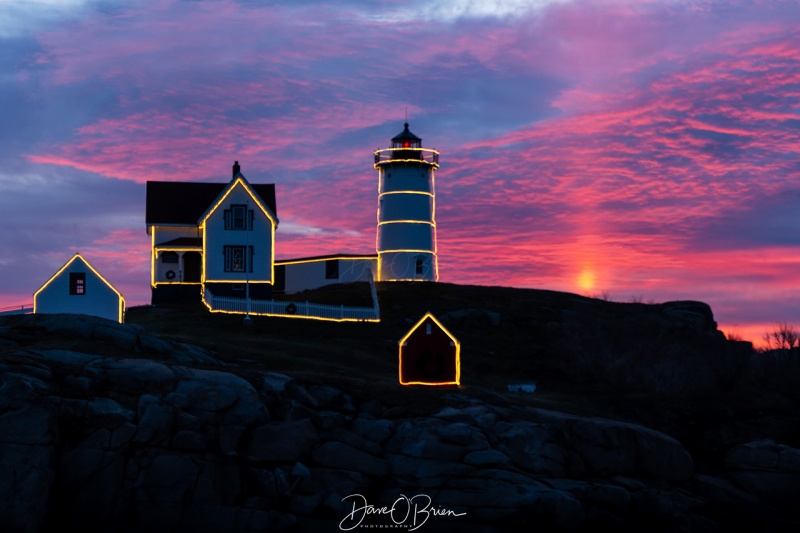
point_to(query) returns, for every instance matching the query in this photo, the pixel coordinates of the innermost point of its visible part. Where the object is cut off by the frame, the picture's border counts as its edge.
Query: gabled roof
(239, 179)
(454, 342)
(421, 321)
(183, 203)
(79, 257)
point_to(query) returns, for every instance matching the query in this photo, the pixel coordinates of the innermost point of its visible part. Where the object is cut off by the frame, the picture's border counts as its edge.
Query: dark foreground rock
(100, 443)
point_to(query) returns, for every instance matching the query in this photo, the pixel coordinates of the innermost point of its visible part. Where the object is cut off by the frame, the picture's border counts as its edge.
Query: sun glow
(586, 279)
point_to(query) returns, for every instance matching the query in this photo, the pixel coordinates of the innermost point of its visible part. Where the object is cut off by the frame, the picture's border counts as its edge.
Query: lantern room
(406, 139)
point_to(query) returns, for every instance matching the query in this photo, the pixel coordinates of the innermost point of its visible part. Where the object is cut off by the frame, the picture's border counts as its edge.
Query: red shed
(429, 355)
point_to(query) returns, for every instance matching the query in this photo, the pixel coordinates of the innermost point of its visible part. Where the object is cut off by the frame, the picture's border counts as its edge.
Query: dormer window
(238, 217)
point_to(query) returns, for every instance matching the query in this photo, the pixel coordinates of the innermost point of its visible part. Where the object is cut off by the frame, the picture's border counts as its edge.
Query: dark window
(238, 258)
(332, 269)
(236, 216)
(77, 283)
(420, 265)
(169, 257)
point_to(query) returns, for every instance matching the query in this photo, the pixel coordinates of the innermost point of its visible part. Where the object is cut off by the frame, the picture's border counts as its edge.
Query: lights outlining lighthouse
(406, 240)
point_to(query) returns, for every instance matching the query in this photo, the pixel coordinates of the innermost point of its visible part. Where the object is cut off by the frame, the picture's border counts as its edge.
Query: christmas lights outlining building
(406, 240)
(77, 287)
(220, 237)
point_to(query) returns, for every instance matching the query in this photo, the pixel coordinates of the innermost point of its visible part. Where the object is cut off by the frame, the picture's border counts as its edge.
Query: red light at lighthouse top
(407, 148)
(406, 139)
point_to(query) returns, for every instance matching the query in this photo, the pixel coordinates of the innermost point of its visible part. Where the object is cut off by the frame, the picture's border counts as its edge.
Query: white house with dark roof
(78, 288)
(211, 236)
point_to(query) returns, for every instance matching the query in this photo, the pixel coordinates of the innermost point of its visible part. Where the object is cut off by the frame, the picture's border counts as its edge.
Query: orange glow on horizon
(586, 279)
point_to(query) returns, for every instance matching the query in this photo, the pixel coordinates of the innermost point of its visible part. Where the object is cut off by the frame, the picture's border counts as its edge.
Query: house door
(191, 267)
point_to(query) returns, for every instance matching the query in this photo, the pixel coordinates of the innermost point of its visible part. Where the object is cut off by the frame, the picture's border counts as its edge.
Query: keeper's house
(80, 289)
(219, 239)
(214, 236)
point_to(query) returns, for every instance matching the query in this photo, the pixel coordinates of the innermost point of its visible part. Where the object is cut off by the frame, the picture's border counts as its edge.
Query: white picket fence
(17, 310)
(339, 313)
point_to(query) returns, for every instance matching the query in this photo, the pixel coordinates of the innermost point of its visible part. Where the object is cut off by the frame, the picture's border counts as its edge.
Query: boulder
(275, 383)
(156, 419)
(134, 375)
(769, 470)
(222, 397)
(531, 446)
(608, 448)
(376, 430)
(486, 458)
(282, 441)
(433, 439)
(342, 456)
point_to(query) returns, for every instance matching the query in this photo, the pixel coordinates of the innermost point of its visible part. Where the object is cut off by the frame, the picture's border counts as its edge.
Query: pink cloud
(663, 117)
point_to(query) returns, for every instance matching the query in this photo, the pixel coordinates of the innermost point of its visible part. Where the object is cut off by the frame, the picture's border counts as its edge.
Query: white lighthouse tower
(406, 241)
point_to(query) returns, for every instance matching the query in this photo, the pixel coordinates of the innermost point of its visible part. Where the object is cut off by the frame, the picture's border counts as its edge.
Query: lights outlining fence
(336, 313)
(307, 310)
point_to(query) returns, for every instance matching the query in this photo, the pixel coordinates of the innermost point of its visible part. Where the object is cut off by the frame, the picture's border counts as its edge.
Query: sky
(632, 150)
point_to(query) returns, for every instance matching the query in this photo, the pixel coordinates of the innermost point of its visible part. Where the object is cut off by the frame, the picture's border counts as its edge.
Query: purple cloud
(635, 148)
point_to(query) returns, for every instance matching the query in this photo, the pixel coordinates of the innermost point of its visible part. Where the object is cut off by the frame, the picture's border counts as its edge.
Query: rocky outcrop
(109, 443)
(768, 470)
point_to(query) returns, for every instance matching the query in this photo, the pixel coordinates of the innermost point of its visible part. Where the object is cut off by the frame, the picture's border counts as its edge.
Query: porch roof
(182, 242)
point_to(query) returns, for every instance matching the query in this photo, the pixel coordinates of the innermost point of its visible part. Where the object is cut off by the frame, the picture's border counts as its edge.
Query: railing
(17, 310)
(338, 313)
(425, 155)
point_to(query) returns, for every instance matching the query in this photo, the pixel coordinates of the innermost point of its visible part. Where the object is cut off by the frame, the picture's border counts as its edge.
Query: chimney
(236, 168)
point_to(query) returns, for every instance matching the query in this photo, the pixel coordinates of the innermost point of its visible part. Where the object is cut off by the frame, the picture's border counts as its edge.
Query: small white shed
(78, 288)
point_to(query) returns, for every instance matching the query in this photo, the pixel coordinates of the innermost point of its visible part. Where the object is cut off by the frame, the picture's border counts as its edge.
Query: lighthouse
(406, 240)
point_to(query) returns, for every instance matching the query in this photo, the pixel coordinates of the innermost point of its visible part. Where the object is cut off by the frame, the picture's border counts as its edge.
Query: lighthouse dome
(406, 139)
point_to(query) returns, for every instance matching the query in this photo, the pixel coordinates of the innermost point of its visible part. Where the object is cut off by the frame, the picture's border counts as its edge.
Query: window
(77, 283)
(332, 269)
(420, 265)
(169, 257)
(238, 258)
(236, 216)
(428, 328)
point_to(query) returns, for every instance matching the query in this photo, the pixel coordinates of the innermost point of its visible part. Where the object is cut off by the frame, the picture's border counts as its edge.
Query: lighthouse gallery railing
(394, 155)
